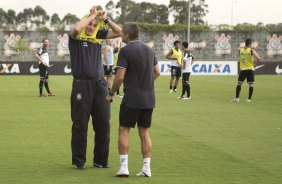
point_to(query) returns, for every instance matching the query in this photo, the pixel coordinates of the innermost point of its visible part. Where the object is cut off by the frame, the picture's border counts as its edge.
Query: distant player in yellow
(247, 68)
(175, 55)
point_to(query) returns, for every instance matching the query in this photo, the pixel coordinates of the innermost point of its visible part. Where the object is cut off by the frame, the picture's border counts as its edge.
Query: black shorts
(175, 71)
(185, 77)
(108, 72)
(128, 117)
(249, 74)
(43, 71)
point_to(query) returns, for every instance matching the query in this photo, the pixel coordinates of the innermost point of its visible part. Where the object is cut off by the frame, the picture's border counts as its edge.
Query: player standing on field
(186, 71)
(43, 59)
(137, 68)
(176, 56)
(89, 88)
(247, 67)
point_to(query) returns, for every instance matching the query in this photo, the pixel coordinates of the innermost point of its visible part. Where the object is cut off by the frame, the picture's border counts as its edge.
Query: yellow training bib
(91, 38)
(246, 59)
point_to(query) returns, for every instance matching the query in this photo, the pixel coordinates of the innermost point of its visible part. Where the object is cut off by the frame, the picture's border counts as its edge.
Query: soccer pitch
(207, 140)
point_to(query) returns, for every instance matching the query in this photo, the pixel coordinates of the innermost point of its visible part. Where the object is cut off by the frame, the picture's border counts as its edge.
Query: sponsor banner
(205, 67)
(198, 68)
(269, 68)
(31, 68)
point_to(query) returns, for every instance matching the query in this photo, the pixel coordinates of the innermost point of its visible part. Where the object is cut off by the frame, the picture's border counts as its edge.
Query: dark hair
(248, 42)
(176, 42)
(185, 45)
(132, 29)
(44, 39)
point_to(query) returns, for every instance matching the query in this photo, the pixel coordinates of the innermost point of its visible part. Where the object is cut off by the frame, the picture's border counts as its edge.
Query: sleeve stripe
(120, 67)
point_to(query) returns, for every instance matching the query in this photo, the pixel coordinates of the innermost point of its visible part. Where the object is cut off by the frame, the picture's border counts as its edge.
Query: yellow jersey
(246, 59)
(177, 54)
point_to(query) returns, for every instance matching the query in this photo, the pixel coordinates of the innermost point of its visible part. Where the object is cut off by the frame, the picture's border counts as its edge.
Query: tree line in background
(34, 19)
(122, 11)
(150, 16)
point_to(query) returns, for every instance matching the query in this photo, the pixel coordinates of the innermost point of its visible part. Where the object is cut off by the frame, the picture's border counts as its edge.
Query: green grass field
(207, 140)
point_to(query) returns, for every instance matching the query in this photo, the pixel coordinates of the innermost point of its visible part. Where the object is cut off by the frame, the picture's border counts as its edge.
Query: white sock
(146, 164)
(123, 161)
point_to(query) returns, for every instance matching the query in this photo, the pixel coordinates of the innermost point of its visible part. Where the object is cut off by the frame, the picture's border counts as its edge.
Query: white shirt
(187, 62)
(42, 52)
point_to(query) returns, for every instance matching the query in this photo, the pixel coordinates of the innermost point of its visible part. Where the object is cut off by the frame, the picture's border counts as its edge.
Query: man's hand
(93, 10)
(109, 98)
(45, 64)
(103, 15)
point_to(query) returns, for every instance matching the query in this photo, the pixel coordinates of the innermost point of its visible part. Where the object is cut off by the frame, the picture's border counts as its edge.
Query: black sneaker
(101, 166)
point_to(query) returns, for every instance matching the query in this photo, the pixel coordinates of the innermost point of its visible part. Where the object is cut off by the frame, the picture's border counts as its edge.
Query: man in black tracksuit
(89, 90)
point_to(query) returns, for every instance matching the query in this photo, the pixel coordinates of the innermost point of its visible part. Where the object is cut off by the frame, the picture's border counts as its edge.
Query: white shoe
(184, 98)
(122, 173)
(120, 96)
(144, 174)
(175, 90)
(248, 101)
(170, 91)
(235, 100)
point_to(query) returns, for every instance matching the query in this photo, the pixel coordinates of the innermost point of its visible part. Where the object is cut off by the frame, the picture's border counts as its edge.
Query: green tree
(21, 46)
(69, 20)
(139, 12)
(111, 9)
(163, 14)
(24, 19)
(11, 18)
(179, 9)
(198, 11)
(40, 16)
(55, 19)
(128, 11)
(153, 13)
(56, 22)
(3, 19)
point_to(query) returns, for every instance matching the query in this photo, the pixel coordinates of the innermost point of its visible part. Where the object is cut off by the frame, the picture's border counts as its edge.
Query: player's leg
(80, 112)
(172, 78)
(241, 78)
(176, 83)
(172, 81)
(101, 123)
(184, 80)
(183, 86)
(123, 151)
(46, 84)
(127, 119)
(41, 82)
(251, 80)
(42, 74)
(144, 123)
(178, 75)
(187, 85)
(109, 78)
